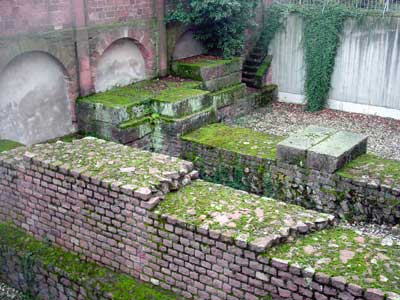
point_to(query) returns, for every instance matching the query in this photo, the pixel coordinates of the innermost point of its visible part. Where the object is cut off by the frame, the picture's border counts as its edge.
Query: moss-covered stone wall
(367, 189)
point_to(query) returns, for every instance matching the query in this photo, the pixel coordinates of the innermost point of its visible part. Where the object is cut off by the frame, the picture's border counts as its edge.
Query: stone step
(249, 74)
(249, 68)
(257, 56)
(181, 103)
(253, 62)
(249, 82)
(206, 70)
(228, 95)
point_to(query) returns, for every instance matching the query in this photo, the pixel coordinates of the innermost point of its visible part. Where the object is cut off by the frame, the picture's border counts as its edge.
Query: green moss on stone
(137, 93)
(6, 145)
(371, 166)
(242, 215)
(178, 94)
(239, 140)
(70, 265)
(107, 161)
(362, 260)
(262, 70)
(134, 123)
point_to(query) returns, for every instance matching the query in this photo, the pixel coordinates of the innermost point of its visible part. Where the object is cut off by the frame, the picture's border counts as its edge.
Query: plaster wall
(187, 46)
(121, 64)
(34, 104)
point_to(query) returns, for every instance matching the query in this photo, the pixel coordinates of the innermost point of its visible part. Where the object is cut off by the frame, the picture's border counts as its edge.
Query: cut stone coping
(322, 149)
(334, 152)
(239, 140)
(344, 254)
(121, 168)
(293, 150)
(249, 221)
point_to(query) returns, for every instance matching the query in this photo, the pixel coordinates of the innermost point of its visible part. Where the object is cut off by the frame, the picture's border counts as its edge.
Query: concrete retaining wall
(366, 70)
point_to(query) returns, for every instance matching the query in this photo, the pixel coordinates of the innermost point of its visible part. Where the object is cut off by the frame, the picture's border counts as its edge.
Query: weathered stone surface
(294, 149)
(182, 106)
(202, 69)
(337, 150)
(228, 95)
(218, 83)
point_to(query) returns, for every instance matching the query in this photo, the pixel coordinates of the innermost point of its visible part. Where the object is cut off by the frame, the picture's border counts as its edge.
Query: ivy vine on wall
(323, 26)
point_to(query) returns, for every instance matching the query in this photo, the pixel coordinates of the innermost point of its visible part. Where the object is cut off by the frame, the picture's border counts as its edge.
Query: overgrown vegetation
(220, 24)
(322, 29)
(6, 145)
(97, 281)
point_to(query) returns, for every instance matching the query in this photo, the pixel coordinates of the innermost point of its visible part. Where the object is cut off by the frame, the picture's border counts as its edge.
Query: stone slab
(206, 70)
(294, 149)
(223, 82)
(336, 151)
(182, 107)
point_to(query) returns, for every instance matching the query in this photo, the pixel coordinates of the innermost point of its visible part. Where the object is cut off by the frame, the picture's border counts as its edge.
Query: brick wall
(100, 11)
(115, 227)
(21, 16)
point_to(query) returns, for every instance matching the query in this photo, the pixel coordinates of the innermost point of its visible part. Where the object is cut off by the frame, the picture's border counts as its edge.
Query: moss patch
(369, 166)
(137, 93)
(237, 213)
(106, 161)
(362, 260)
(134, 123)
(238, 140)
(178, 94)
(89, 275)
(6, 145)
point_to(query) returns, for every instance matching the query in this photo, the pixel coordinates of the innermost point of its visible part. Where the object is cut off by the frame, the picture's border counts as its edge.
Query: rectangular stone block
(336, 151)
(294, 149)
(182, 106)
(223, 82)
(228, 95)
(206, 69)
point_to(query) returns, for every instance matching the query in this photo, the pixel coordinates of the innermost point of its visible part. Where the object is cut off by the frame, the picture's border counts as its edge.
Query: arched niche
(187, 46)
(122, 63)
(34, 102)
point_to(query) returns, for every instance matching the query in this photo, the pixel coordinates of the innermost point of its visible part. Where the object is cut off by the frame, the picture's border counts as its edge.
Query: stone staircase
(251, 65)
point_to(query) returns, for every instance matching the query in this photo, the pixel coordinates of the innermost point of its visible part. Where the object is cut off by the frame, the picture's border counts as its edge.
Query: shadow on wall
(34, 102)
(187, 46)
(122, 63)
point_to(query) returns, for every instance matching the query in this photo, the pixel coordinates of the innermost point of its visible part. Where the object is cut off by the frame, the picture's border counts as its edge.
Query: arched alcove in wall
(34, 102)
(122, 63)
(187, 46)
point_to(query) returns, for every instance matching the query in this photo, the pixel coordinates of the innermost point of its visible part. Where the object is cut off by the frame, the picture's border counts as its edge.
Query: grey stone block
(336, 151)
(222, 82)
(293, 150)
(182, 107)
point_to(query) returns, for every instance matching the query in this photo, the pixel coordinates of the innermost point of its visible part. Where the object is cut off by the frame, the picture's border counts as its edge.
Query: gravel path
(8, 293)
(284, 119)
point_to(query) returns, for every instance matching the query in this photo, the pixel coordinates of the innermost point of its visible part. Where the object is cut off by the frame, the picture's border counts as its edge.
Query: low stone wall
(64, 194)
(361, 198)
